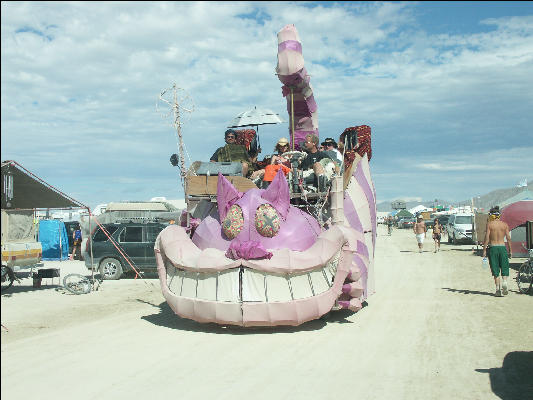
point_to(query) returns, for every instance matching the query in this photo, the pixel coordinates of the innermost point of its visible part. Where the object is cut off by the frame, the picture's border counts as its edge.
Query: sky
(446, 87)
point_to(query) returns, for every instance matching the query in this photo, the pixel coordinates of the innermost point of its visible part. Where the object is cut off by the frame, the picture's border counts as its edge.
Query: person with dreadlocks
(497, 250)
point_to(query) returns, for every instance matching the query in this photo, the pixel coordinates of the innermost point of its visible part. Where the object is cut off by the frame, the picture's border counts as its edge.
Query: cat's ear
(277, 194)
(227, 195)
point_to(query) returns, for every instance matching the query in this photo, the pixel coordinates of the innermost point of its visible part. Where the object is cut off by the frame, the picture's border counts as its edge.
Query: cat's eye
(234, 221)
(266, 220)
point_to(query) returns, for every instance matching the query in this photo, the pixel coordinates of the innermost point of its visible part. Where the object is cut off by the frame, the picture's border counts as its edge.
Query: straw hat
(283, 141)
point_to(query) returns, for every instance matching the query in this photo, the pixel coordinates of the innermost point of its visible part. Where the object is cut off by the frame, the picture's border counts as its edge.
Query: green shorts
(498, 260)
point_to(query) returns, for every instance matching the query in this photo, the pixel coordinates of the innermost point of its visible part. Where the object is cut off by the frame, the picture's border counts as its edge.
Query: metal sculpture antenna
(181, 105)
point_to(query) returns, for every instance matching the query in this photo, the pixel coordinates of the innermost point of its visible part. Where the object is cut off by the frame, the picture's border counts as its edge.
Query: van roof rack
(143, 220)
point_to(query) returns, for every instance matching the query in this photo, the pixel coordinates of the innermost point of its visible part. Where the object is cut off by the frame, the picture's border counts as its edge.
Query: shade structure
(523, 195)
(517, 213)
(255, 117)
(24, 190)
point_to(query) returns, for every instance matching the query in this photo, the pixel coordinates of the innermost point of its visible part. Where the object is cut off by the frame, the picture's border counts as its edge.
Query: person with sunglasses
(318, 166)
(232, 151)
(330, 145)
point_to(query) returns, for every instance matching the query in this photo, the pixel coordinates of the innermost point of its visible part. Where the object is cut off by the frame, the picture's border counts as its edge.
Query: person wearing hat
(499, 251)
(330, 145)
(276, 162)
(233, 152)
(281, 147)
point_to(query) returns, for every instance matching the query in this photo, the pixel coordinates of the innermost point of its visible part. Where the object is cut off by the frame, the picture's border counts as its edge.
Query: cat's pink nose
(249, 250)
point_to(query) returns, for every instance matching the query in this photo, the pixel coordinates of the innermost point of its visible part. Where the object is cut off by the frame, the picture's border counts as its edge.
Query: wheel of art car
(283, 255)
(110, 268)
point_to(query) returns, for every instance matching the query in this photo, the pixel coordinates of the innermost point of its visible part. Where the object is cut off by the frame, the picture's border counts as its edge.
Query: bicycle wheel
(8, 277)
(77, 284)
(523, 279)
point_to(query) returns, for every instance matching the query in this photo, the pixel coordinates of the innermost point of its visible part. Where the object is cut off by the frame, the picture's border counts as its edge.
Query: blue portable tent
(54, 240)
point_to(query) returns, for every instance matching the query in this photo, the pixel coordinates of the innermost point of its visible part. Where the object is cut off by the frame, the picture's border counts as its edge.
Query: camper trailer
(20, 247)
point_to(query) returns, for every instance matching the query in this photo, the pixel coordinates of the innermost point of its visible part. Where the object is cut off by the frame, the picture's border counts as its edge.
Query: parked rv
(20, 248)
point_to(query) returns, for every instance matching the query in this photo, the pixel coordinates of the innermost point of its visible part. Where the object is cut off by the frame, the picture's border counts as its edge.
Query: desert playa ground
(433, 330)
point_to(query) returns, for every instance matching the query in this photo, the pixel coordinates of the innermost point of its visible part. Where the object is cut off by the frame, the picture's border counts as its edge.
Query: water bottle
(485, 263)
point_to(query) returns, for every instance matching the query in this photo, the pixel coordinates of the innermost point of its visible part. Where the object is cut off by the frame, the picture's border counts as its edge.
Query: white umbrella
(255, 117)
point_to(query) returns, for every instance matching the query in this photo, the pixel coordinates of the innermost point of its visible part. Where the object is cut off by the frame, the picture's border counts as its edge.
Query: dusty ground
(433, 330)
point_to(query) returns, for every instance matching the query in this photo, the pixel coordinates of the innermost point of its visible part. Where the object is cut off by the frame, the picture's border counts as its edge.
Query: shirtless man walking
(498, 256)
(437, 232)
(419, 228)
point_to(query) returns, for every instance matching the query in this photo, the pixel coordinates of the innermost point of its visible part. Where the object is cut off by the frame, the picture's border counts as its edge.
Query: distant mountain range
(486, 201)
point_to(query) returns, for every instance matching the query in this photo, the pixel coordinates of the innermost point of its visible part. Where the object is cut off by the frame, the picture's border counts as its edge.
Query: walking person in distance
(419, 228)
(76, 251)
(437, 232)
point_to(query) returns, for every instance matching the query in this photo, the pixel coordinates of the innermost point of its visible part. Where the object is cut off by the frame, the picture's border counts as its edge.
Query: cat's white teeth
(248, 285)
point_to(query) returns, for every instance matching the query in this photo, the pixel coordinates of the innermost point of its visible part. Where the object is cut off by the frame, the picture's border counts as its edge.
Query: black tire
(110, 269)
(77, 284)
(523, 279)
(8, 277)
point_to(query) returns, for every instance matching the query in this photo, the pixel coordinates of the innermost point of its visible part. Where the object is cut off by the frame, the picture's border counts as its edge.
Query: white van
(459, 228)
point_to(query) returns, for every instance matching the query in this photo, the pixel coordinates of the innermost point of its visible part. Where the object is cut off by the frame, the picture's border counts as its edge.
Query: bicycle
(81, 284)
(8, 277)
(524, 278)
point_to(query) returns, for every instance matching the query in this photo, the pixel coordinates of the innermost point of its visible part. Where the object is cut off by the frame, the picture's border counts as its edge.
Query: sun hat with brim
(283, 141)
(329, 141)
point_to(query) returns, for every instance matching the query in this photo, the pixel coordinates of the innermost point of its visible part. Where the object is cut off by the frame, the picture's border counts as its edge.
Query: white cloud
(80, 83)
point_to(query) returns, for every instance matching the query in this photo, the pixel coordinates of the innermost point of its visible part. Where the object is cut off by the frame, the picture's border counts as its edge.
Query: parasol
(255, 117)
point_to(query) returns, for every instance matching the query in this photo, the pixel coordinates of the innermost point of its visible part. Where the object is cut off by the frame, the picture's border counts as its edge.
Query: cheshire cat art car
(283, 255)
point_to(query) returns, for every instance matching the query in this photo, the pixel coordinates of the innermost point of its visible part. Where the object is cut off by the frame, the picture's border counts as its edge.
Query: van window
(464, 219)
(100, 236)
(131, 234)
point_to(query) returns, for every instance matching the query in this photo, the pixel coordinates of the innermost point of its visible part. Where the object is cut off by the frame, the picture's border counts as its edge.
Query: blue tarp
(54, 240)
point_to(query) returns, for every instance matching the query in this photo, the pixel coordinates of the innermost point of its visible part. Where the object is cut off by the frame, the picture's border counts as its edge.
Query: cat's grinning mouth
(289, 288)
(241, 284)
